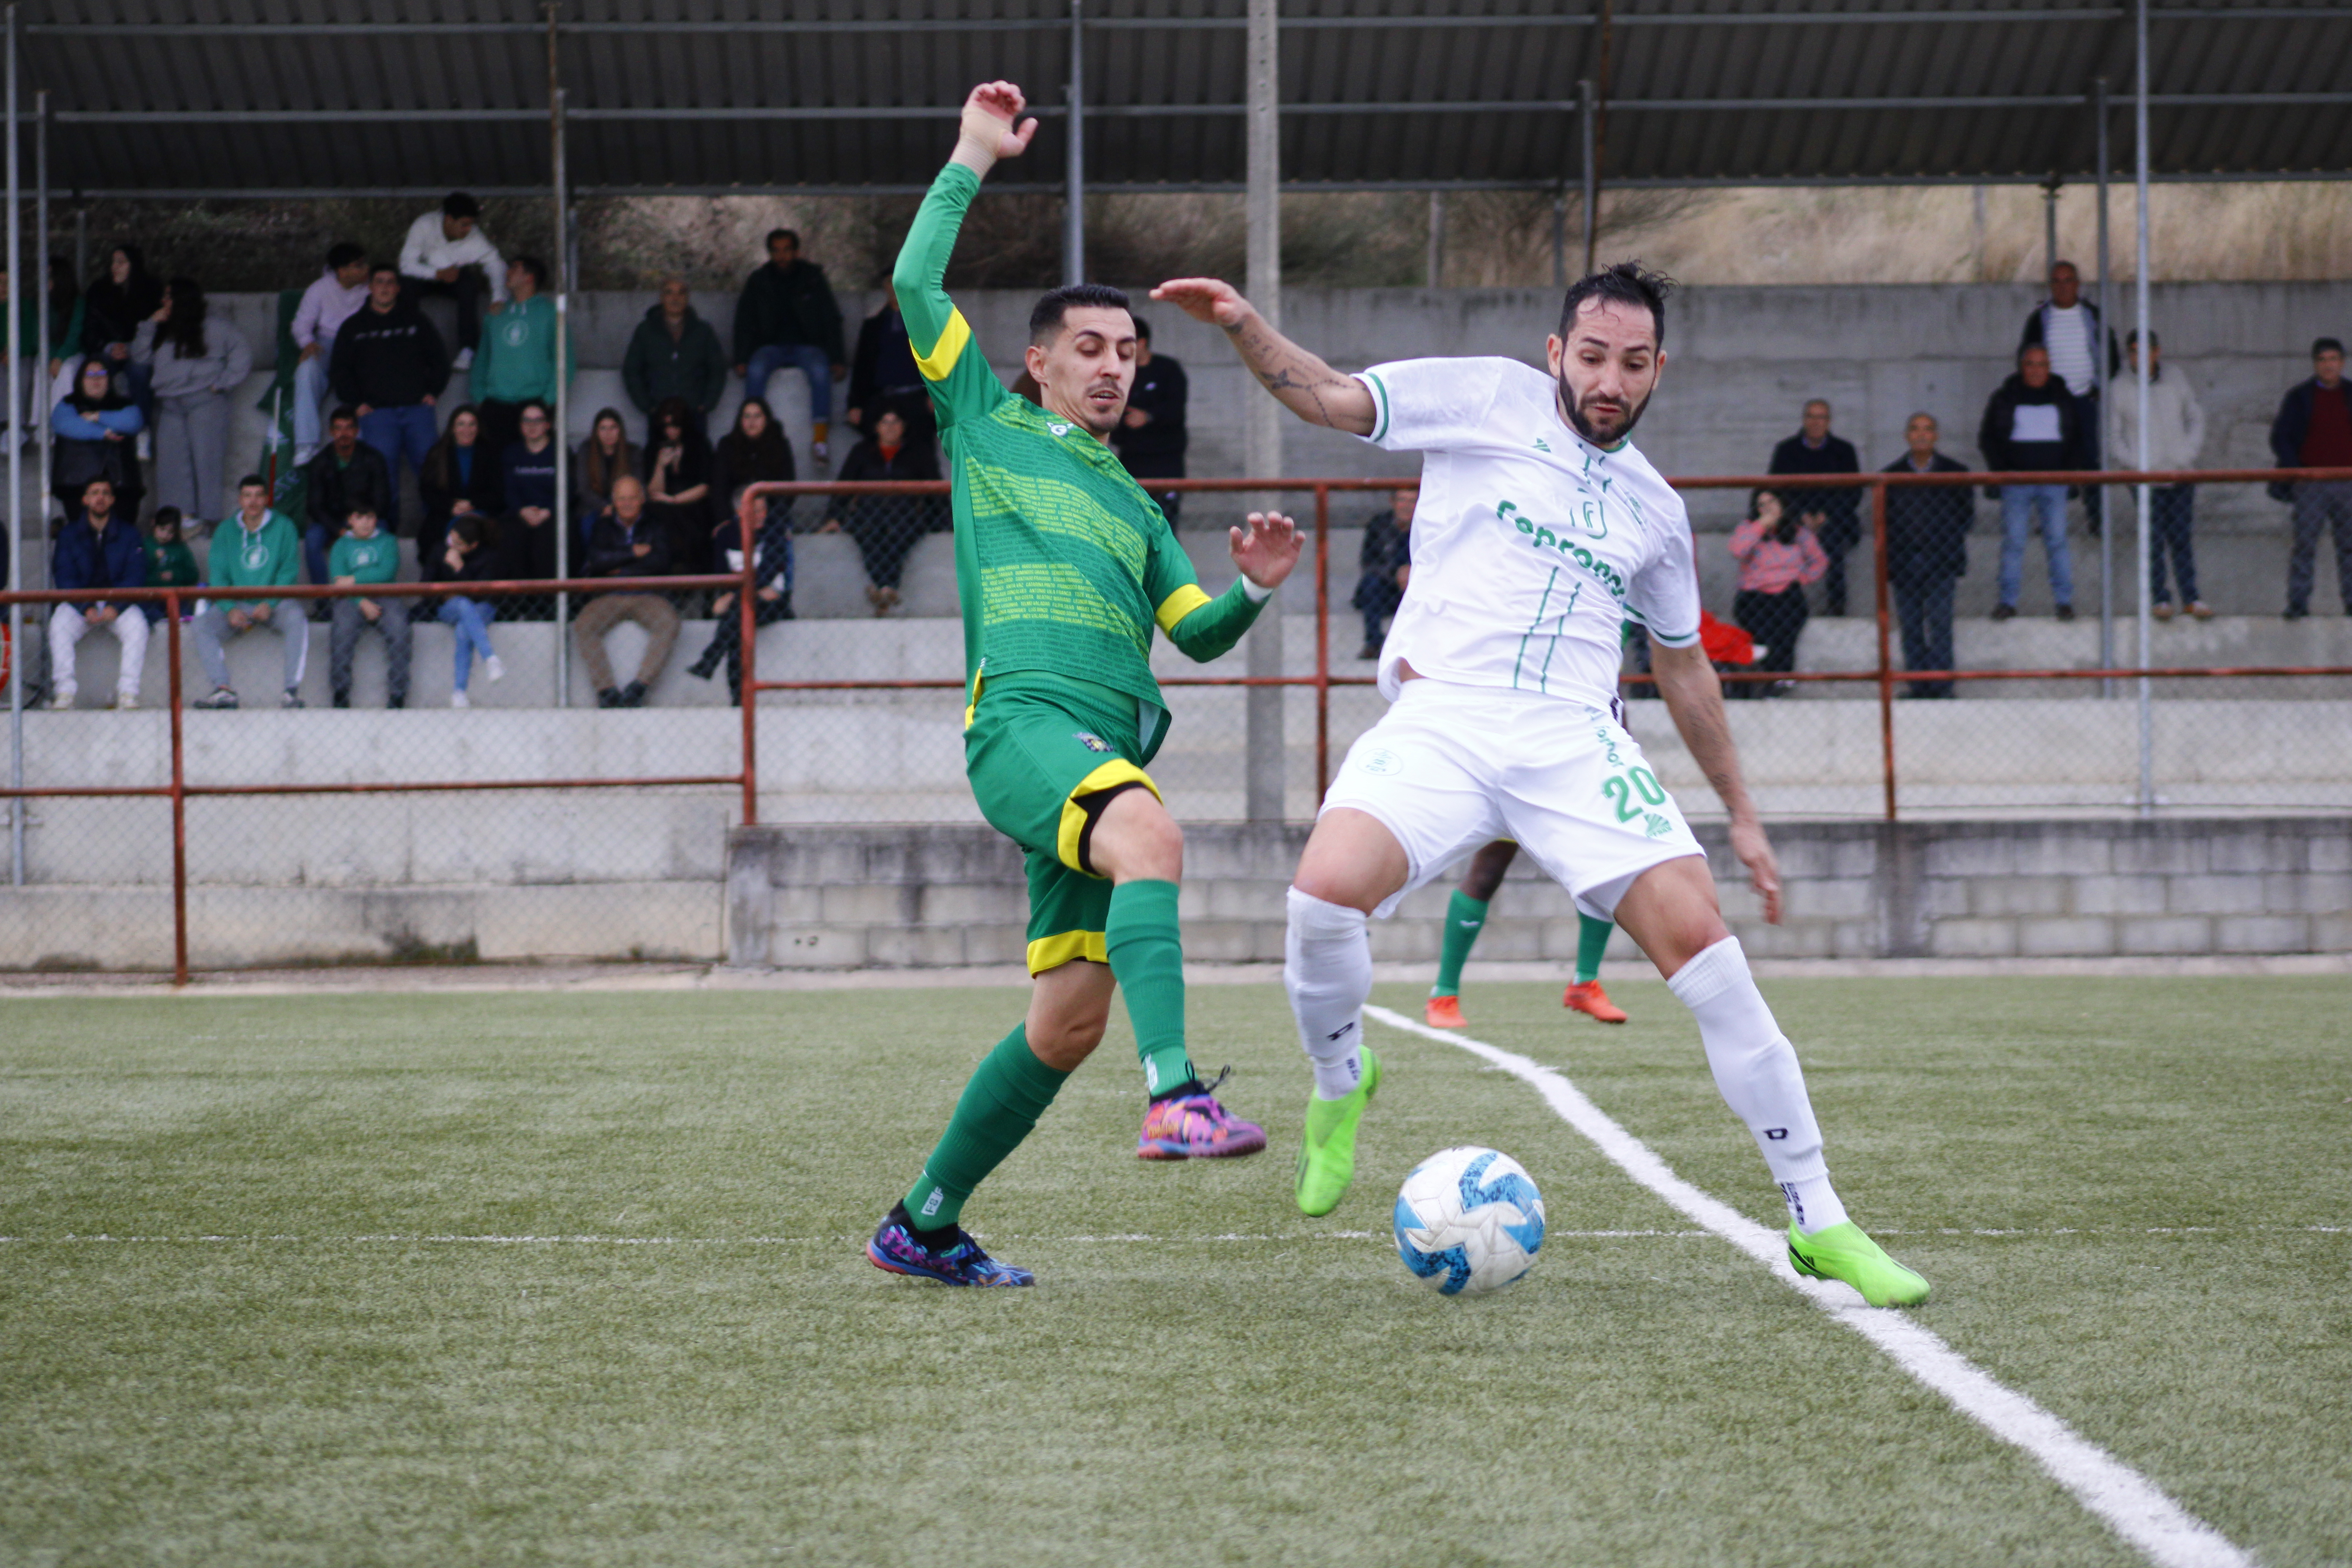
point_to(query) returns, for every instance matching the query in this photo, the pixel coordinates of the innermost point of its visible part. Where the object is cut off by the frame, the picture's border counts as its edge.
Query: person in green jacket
(516, 364)
(261, 550)
(673, 353)
(363, 555)
(169, 562)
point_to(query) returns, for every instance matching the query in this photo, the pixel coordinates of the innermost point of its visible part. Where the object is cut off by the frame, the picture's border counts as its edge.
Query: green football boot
(1843, 1252)
(1326, 1153)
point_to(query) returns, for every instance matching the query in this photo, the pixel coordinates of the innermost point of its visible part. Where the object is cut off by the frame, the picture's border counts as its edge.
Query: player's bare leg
(1352, 863)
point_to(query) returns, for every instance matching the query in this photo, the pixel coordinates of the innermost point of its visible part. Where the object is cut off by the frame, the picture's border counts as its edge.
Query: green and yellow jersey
(1064, 565)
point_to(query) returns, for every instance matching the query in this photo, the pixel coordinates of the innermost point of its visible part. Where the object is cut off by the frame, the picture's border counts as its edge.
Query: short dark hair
(343, 411)
(343, 255)
(545, 412)
(1045, 320)
(365, 509)
(378, 267)
(2024, 349)
(1626, 283)
(1143, 329)
(2326, 345)
(165, 517)
(102, 479)
(457, 204)
(2154, 339)
(776, 234)
(252, 481)
(535, 267)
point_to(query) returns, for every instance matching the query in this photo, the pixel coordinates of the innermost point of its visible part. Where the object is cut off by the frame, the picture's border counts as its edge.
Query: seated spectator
(1830, 516)
(2030, 427)
(528, 476)
(772, 596)
(117, 301)
(256, 549)
(1386, 563)
(2314, 430)
(346, 475)
(675, 353)
(390, 365)
(677, 485)
(461, 477)
(787, 316)
(470, 555)
(884, 375)
(607, 455)
(338, 290)
(193, 365)
(1927, 552)
(626, 542)
(97, 549)
(169, 562)
(1777, 556)
(96, 439)
(886, 527)
(434, 260)
(756, 451)
(517, 362)
(364, 556)
(2176, 435)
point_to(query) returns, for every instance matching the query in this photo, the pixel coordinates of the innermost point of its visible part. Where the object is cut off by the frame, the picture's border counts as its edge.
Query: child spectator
(677, 485)
(606, 455)
(625, 543)
(96, 429)
(169, 562)
(461, 476)
(435, 257)
(1777, 556)
(194, 364)
(1386, 561)
(364, 556)
(346, 475)
(886, 527)
(469, 556)
(256, 549)
(99, 548)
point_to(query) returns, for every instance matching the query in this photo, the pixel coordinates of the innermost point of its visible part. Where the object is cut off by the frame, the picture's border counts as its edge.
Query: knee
(1067, 1038)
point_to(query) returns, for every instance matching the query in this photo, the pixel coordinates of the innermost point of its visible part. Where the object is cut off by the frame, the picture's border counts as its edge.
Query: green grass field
(576, 1279)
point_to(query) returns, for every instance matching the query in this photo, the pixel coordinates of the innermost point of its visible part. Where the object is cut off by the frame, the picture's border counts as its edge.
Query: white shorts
(1451, 768)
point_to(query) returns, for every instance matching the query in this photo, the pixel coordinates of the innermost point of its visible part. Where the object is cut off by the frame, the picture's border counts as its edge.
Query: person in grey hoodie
(196, 364)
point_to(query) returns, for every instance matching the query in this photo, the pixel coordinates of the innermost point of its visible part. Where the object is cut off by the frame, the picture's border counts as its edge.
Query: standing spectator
(1829, 515)
(2314, 430)
(169, 562)
(346, 475)
(99, 549)
(528, 474)
(517, 362)
(390, 365)
(96, 430)
(625, 543)
(2031, 426)
(461, 477)
(1385, 562)
(675, 353)
(259, 551)
(194, 364)
(1779, 554)
(470, 556)
(1150, 434)
(884, 375)
(886, 527)
(787, 315)
(772, 592)
(1927, 552)
(2176, 435)
(434, 259)
(677, 484)
(606, 455)
(363, 557)
(118, 301)
(2068, 326)
(340, 290)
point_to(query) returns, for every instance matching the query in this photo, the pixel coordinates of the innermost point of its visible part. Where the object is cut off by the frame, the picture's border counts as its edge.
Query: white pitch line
(2129, 1503)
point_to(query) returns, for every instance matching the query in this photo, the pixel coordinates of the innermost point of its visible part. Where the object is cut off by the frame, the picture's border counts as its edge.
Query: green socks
(1147, 957)
(1591, 942)
(1011, 1090)
(1466, 917)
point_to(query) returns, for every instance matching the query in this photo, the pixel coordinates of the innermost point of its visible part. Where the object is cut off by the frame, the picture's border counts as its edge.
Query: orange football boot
(1587, 997)
(1444, 1013)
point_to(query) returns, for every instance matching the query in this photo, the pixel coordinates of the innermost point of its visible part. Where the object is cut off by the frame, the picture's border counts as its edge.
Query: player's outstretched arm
(991, 128)
(1203, 629)
(1695, 696)
(1299, 381)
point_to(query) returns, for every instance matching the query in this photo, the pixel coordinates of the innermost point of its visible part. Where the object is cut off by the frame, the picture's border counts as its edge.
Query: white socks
(1756, 1069)
(1327, 970)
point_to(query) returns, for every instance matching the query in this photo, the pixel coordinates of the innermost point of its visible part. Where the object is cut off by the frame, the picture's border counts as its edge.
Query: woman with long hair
(1778, 555)
(886, 527)
(460, 477)
(607, 455)
(677, 484)
(96, 432)
(116, 302)
(755, 451)
(196, 363)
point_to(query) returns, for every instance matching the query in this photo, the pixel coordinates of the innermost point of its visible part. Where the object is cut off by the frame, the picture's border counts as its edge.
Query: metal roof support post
(1591, 170)
(2099, 369)
(17, 564)
(1073, 181)
(41, 284)
(563, 380)
(2048, 225)
(2139, 389)
(1435, 268)
(1559, 237)
(1262, 435)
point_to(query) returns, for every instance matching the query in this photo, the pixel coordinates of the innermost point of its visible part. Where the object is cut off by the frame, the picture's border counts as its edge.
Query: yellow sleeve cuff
(944, 354)
(1177, 604)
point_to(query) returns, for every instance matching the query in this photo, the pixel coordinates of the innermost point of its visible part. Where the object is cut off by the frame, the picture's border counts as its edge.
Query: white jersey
(1531, 546)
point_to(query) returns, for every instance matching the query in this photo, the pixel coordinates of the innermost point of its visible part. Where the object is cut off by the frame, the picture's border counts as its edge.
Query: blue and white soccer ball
(1468, 1220)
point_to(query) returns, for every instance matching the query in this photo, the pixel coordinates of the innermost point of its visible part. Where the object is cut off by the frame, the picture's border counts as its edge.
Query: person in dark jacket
(1150, 437)
(99, 549)
(2031, 426)
(625, 541)
(2069, 326)
(346, 475)
(756, 451)
(787, 315)
(1833, 515)
(528, 471)
(2314, 430)
(96, 428)
(883, 375)
(884, 527)
(677, 484)
(388, 363)
(1927, 552)
(117, 300)
(462, 477)
(1385, 562)
(169, 562)
(772, 590)
(673, 353)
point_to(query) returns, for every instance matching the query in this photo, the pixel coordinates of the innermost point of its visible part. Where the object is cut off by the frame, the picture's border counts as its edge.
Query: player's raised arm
(1694, 696)
(991, 128)
(1300, 381)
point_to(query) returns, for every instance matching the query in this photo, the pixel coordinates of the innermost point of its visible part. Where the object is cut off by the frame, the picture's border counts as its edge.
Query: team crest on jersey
(1380, 760)
(1090, 740)
(1656, 826)
(1059, 429)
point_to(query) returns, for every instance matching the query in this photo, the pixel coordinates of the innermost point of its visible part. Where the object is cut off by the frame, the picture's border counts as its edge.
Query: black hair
(536, 268)
(343, 411)
(457, 204)
(342, 255)
(165, 517)
(1045, 320)
(475, 529)
(2024, 349)
(545, 412)
(1143, 329)
(110, 484)
(380, 265)
(2326, 345)
(2154, 339)
(1626, 283)
(1785, 531)
(792, 234)
(185, 329)
(253, 481)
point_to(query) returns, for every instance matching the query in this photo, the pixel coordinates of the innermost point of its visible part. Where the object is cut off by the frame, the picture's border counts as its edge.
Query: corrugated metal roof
(241, 95)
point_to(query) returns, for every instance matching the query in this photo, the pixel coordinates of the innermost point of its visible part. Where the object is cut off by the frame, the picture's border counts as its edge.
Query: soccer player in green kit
(1064, 565)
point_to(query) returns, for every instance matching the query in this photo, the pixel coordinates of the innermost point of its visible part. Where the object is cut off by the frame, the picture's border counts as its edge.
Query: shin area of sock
(1146, 947)
(1466, 917)
(1591, 945)
(1327, 970)
(1007, 1093)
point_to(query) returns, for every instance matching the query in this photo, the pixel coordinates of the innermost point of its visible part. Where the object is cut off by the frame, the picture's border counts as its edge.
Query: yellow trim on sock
(944, 354)
(1177, 604)
(1053, 951)
(1117, 770)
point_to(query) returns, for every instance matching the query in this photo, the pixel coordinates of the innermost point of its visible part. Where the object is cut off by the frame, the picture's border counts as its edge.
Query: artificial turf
(577, 1278)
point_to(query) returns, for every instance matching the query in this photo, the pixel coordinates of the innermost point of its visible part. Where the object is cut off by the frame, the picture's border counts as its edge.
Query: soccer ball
(1468, 1220)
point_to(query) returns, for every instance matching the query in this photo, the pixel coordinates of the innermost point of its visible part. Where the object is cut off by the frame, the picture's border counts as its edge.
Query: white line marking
(2131, 1505)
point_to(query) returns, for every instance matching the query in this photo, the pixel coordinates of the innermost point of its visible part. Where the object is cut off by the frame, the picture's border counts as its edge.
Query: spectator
(1830, 516)
(434, 259)
(607, 455)
(390, 365)
(462, 477)
(470, 555)
(886, 527)
(66, 317)
(194, 364)
(2176, 435)
(2069, 328)
(516, 364)
(528, 475)
(1150, 434)
(2031, 426)
(1386, 561)
(677, 484)
(259, 551)
(771, 595)
(675, 353)
(338, 290)
(346, 475)
(118, 301)
(99, 548)
(169, 562)
(363, 557)
(1927, 552)
(96, 430)
(2314, 430)
(884, 373)
(1779, 554)
(754, 452)
(626, 542)
(787, 316)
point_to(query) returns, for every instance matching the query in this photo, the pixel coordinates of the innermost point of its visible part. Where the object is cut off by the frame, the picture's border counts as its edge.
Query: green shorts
(1043, 759)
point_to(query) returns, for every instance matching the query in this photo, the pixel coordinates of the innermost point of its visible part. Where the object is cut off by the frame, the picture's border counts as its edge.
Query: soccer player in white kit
(1541, 529)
